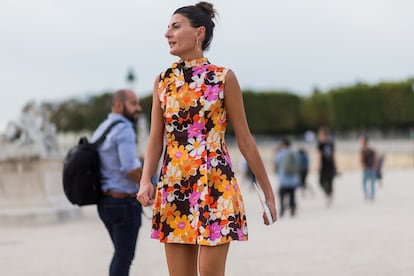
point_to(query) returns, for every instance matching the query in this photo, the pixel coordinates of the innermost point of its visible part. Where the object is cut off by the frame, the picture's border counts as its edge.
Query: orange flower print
(189, 167)
(180, 226)
(177, 154)
(170, 212)
(198, 200)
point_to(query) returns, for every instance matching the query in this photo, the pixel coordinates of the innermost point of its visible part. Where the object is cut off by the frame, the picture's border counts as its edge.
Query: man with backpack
(287, 168)
(368, 160)
(121, 173)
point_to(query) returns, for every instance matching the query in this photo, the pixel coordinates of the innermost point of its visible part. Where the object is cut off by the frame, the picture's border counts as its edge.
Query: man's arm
(127, 155)
(135, 175)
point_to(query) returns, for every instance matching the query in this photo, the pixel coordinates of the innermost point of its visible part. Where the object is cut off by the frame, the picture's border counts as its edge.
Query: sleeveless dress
(198, 200)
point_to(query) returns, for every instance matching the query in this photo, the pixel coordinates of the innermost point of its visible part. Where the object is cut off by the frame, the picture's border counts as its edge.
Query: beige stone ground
(352, 237)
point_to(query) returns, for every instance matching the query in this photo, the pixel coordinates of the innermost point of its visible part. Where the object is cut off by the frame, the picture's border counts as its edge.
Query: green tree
(272, 112)
(316, 110)
(384, 105)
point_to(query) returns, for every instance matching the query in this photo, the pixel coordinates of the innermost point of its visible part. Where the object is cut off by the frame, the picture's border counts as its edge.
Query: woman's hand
(272, 208)
(146, 193)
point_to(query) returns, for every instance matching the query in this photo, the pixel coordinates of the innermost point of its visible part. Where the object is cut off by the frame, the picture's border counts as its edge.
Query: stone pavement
(351, 237)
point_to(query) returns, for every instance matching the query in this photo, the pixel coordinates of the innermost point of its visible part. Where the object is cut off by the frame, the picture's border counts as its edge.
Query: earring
(198, 48)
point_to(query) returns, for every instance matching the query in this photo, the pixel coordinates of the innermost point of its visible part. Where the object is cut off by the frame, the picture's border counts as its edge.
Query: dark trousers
(326, 182)
(122, 219)
(303, 174)
(283, 193)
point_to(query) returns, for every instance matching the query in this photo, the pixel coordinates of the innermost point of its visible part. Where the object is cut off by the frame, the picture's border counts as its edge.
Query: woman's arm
(153, 151)
(235, 108)
(361, 158)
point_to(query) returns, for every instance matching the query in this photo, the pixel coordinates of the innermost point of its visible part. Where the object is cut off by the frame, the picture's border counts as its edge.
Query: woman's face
(363, 141)
(182, 37)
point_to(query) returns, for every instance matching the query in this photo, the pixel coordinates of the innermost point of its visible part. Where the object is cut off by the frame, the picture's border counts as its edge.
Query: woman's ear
(200, 33)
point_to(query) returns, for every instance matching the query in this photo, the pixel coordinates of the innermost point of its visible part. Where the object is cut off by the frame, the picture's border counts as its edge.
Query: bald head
(120, 96)
(126, 103)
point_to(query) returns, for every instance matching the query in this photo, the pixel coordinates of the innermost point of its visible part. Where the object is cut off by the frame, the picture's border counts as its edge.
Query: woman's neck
(191, 56)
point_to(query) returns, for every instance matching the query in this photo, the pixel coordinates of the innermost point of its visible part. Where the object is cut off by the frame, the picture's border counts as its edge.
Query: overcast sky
(54, 50)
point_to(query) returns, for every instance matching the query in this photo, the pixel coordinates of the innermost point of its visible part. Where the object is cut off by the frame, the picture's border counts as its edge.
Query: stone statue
(33, 134)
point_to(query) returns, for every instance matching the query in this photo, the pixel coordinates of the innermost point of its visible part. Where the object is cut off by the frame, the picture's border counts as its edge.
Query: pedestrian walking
(368, 160)
(327, 166)
(288, 171)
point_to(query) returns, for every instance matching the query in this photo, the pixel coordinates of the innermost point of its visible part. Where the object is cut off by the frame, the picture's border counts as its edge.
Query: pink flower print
(155, 234)
(241, 235)
(194, 196)
(178, 154)
(195, 129)
(200, 69)
(209, 163)
(181, 225)
(215, 231)
(222, 121)
(164, 196)
(212, 92)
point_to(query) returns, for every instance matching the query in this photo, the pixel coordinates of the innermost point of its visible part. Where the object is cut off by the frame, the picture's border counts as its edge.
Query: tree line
(382, 106)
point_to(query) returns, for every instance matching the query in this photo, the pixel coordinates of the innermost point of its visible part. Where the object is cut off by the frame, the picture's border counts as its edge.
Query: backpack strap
(107, 130)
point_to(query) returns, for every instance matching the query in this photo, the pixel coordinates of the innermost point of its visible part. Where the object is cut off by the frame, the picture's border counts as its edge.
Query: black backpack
(81, 171)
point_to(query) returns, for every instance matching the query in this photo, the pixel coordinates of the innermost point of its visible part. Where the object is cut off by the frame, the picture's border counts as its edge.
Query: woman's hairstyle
(200, 14)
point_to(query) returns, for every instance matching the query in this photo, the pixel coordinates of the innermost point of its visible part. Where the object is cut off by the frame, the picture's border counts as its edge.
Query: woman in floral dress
(198, 206)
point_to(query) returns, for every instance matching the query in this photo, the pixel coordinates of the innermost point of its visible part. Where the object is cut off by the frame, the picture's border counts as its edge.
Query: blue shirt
(118, 154)
(285, 180)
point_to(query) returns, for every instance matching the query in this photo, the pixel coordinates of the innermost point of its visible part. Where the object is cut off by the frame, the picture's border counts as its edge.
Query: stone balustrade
(31, 192)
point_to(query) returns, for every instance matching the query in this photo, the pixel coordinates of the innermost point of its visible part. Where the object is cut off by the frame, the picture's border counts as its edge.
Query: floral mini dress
(198, 200)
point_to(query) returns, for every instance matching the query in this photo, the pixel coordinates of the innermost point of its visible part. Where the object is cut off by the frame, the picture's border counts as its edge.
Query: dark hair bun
(207, 8)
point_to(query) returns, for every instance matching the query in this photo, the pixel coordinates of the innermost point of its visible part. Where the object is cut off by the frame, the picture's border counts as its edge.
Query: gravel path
(351, 237)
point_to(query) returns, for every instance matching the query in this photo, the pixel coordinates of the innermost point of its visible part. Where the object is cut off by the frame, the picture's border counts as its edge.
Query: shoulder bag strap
(107, 130)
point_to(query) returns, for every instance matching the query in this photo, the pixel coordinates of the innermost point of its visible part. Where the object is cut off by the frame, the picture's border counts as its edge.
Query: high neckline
(191, 62)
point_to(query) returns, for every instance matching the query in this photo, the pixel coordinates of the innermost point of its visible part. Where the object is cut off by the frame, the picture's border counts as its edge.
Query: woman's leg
(212, 260)
(364, 183)
(372, 179)
(181, 259)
